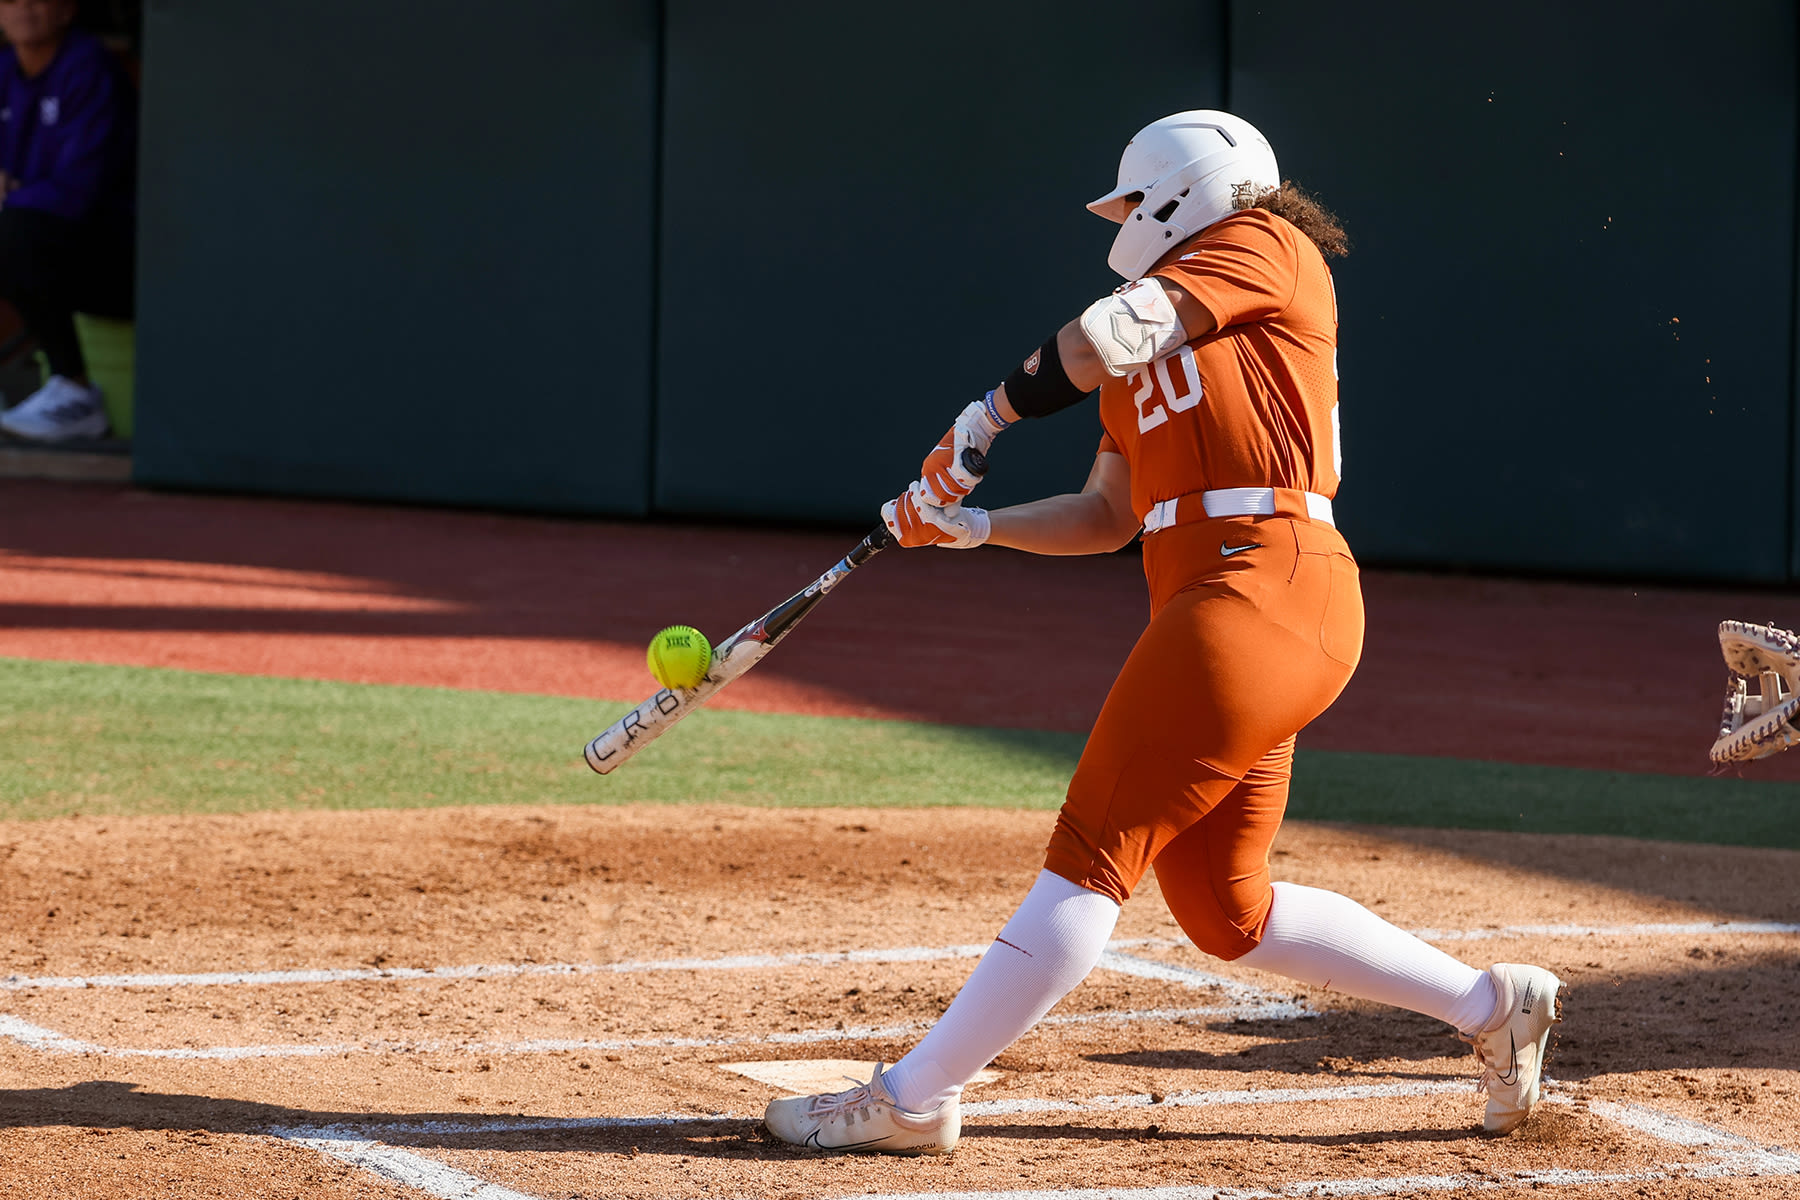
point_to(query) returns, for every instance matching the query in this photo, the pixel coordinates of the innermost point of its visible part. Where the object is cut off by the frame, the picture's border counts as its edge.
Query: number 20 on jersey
(1172, 385)
(1171, 382)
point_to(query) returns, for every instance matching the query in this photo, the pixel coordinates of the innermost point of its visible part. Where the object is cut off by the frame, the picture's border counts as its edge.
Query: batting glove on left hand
(943, 474)
(915, 521)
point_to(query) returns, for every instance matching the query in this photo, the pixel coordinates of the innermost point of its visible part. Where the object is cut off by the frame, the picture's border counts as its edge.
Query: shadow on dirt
(1719, 1014)
(1734, 882)
(1719, 1009)
(112, 1104)
(1351, 1044)
(1152, 1131)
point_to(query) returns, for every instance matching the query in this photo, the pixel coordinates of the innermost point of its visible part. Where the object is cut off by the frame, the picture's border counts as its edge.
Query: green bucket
(110, 347)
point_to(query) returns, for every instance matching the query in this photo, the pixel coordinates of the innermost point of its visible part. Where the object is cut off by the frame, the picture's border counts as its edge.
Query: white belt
(1230, 502)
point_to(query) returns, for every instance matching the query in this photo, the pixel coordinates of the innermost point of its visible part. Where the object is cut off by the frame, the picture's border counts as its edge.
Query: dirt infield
(1581, 675)
(504, 1003)
(543, 1000)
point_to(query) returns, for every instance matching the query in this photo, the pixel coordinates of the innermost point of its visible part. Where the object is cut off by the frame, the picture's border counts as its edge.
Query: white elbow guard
(1133, 326)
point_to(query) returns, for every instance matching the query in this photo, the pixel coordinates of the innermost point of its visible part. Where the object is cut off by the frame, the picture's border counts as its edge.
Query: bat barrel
(651, 719)
(737, 654)
(602, 753)
(635, 729)
(598, 751)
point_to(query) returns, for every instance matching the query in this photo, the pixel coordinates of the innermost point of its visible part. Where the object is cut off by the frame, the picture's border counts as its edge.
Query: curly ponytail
(1301, 210)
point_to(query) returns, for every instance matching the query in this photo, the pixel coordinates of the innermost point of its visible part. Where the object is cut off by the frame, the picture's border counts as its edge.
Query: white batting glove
(965, 528)
(915, 521)
(943, 475)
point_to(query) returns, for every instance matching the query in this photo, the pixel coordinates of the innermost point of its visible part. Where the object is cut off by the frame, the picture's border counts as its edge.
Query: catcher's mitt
(1760, 723)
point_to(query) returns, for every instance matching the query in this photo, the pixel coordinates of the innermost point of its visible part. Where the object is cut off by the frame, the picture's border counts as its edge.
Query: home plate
(807, 1075)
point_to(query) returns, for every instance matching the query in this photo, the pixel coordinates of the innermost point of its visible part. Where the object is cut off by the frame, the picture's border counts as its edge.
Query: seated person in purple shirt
(68, 148)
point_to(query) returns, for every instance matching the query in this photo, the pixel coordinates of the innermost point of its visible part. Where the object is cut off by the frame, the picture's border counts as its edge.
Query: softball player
(1216, 365)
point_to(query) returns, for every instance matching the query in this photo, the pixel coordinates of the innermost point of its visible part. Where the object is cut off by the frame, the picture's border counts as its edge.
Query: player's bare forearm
(1096, 520)
(1077, 523)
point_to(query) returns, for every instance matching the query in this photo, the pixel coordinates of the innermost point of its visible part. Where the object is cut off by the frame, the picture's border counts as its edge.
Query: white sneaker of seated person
(865, 1118)
(60, 410)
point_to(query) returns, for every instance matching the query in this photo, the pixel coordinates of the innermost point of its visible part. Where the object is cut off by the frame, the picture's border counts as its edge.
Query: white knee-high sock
(1328, 940)
(1048, 947)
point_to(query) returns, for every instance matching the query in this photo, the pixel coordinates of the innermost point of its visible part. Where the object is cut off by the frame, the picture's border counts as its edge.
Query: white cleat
(60, 410)
(864, 1119)
(1511, 1048)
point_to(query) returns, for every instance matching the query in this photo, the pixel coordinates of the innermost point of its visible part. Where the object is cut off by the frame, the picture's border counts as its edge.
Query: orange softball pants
(1189, 761)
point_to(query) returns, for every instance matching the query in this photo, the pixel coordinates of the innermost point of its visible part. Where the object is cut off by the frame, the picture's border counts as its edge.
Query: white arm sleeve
(1135, 325)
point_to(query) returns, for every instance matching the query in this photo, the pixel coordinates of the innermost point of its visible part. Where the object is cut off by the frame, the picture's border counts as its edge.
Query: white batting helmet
(1188, 169)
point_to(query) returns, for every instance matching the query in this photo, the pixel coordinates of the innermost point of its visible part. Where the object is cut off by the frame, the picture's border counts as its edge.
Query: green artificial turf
(81, 738)
(1453, 793)
(76, 737)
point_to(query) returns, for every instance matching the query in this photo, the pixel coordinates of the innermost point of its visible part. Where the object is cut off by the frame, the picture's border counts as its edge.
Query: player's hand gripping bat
(736, 654)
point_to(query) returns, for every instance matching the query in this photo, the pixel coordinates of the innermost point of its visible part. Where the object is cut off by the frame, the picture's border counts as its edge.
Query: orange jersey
(1253, 403)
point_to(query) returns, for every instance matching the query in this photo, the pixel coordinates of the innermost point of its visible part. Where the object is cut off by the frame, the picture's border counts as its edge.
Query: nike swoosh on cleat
(1227, 551)
(1511, 1075)
(812, 1139)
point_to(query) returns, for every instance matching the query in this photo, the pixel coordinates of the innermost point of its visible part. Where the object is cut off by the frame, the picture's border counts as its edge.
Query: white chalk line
(49, 1041)
(437, 1179)
(833, 958)
(1249, 1002)
(361, 1145)
(1664, 1127)
(1732, 1156)
(730, 962)
(1237, 990)
(450, 1129)
(979, 1108)
(1663, 929)
(1243, 1001)
(1361, 1091)
(36, 1037)
(1751, 1156)
(1380, 1185)
(403, 1167)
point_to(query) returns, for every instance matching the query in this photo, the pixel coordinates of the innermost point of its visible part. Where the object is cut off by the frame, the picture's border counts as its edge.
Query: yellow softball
(679, 656)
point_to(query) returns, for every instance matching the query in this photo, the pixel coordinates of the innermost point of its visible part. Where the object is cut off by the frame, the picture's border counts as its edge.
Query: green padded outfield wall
(1567, 324)
(455, 258)
(399, 250)
(870, 214)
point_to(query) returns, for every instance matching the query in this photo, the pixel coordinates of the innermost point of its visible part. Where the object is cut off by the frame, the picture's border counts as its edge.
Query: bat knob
(974, 461)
